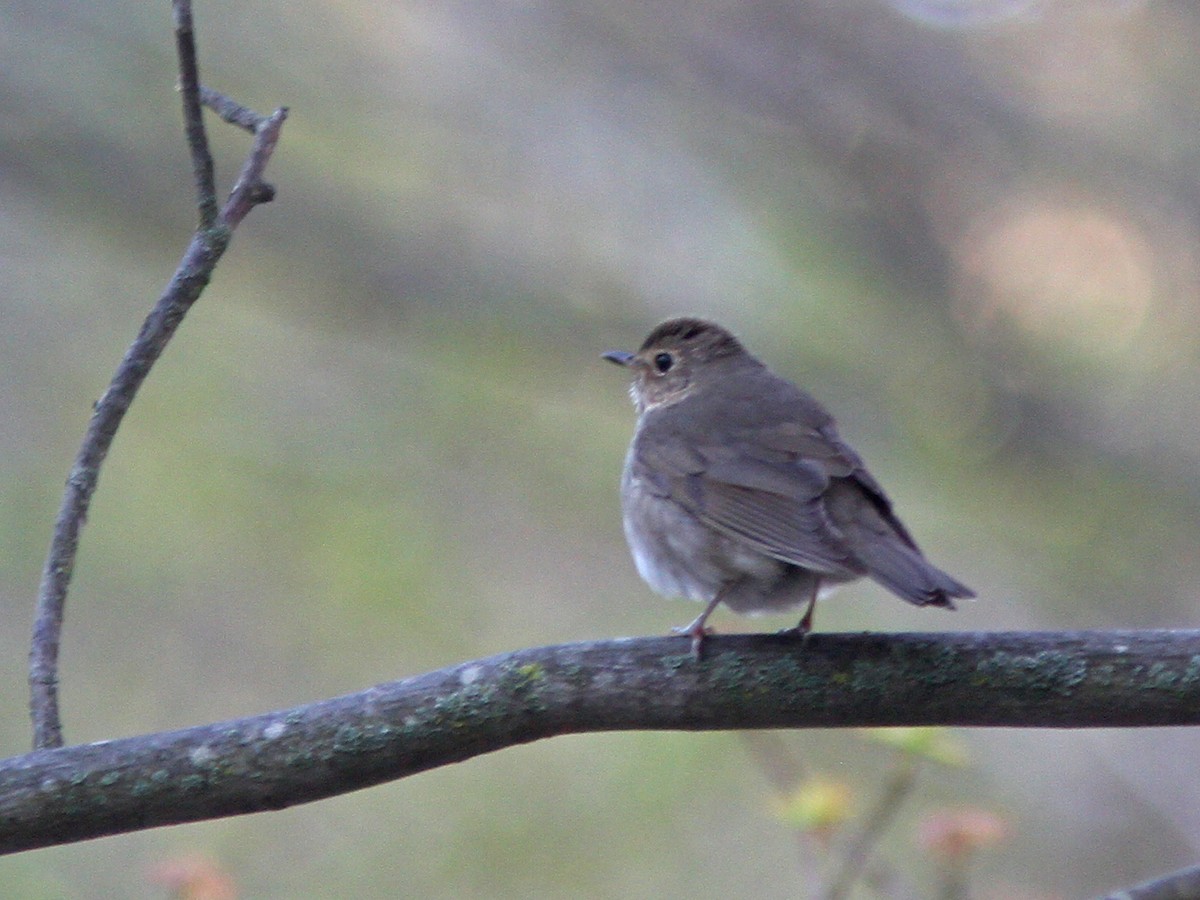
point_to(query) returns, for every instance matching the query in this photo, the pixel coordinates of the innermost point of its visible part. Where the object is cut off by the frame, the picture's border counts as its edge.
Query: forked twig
(194, 271)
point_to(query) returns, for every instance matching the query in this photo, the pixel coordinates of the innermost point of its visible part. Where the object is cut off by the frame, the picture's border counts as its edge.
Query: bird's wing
(770, 497)
(823, 446)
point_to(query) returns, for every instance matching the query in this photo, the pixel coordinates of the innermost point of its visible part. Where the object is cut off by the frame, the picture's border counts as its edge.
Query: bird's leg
(695, 629)
(806, 620)
(805, 625)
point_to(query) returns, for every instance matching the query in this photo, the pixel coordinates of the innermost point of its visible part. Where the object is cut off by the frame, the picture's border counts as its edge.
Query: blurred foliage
(934, 744)
(383, 441)
(818, 806)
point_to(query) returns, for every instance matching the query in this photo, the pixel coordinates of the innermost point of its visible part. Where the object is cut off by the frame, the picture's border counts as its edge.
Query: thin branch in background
(1175, 886)
(781, 765)
(190, 278)
(858, 851)
(786, 770)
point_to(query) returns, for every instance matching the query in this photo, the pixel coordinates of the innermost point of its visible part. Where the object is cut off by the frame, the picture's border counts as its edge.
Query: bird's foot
(803, 628)
(697, 632)
(796, 632)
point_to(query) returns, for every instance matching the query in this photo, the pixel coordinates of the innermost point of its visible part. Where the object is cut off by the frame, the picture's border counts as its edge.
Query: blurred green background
(384, 441)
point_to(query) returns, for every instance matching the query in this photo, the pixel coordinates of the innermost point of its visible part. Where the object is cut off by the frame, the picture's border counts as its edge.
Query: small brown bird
(737, 488)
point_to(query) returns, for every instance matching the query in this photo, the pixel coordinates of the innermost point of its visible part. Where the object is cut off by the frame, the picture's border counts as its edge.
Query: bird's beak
(620, 357)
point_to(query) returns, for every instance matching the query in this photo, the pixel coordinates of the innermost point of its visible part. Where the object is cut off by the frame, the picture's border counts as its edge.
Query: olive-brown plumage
(737, 488)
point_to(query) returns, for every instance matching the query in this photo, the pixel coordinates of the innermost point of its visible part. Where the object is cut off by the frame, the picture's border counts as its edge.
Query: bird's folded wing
(775, 505)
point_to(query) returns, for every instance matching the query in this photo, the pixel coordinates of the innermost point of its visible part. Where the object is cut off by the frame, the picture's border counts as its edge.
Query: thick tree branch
(195, 269)
(1038, 679)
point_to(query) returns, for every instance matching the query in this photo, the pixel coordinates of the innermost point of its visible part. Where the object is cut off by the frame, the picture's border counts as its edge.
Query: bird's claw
(697, 632)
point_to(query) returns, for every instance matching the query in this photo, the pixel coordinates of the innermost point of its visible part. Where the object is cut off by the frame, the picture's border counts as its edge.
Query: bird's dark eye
(663, 362)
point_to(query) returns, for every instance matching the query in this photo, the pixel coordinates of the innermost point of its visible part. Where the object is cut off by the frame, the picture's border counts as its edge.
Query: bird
(737, 488)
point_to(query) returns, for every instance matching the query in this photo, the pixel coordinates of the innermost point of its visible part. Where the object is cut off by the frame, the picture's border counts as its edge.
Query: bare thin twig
(194, 271)
(230, 111)
(250, 190)
(193, 117)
